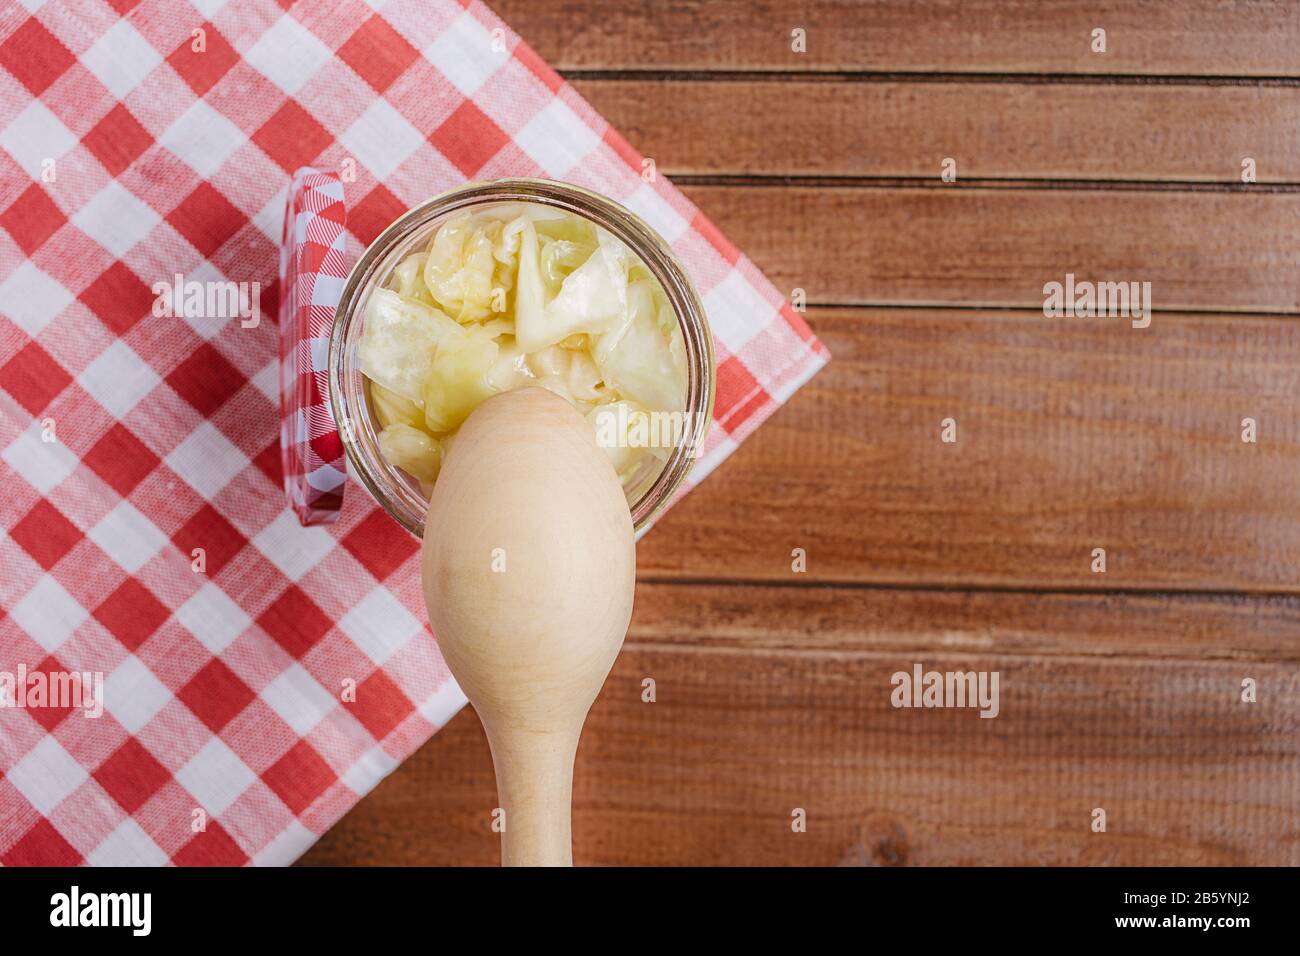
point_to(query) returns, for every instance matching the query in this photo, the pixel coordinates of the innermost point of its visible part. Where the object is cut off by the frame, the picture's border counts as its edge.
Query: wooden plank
(739, 736)
(838, 127)
(1072, 434)
(956, 245)
(1173, 37)
(1044, 624)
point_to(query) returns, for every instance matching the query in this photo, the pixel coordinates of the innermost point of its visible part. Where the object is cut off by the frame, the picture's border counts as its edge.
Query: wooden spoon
(529, 566)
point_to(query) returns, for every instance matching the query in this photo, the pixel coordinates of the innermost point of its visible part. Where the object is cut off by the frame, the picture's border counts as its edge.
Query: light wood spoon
(529, 567)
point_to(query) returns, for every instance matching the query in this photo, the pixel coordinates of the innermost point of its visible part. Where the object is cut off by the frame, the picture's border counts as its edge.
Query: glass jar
(399, 493)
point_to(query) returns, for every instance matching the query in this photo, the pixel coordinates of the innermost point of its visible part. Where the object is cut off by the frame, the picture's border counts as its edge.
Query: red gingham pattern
(260, 676)
(313, 267)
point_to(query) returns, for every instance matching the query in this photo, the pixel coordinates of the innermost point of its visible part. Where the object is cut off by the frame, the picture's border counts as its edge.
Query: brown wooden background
(1118, 690)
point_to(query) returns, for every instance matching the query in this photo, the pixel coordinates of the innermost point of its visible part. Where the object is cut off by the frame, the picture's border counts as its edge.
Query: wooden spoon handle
(534, 774)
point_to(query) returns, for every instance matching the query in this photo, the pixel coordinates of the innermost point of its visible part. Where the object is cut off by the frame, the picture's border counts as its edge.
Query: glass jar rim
(625, 225)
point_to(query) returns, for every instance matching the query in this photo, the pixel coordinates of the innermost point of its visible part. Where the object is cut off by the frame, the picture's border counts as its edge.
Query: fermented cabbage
(519, 295)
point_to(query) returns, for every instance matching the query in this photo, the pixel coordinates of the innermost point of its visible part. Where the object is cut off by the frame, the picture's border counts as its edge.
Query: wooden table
(1119, 690)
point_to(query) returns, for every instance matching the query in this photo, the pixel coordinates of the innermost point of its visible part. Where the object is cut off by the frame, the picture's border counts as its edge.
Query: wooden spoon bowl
(529, 567)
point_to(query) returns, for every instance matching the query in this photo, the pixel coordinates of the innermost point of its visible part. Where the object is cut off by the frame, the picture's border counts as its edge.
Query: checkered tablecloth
(259, 676)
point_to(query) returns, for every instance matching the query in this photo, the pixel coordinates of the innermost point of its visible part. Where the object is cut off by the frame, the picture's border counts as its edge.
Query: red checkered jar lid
(313, 267)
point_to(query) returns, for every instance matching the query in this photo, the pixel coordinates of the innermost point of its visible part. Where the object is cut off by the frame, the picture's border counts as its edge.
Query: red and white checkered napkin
(260, 676)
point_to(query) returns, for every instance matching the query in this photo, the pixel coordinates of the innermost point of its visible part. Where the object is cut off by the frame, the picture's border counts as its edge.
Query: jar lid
(313, 267)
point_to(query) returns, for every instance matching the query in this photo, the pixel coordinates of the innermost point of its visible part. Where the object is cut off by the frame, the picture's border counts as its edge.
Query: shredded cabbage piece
(459, 381)
(412, 450)
(515, 295)
(398, 341)
(393, 409)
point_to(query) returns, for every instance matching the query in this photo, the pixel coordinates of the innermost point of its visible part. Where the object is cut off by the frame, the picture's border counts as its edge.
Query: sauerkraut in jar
(513, 295)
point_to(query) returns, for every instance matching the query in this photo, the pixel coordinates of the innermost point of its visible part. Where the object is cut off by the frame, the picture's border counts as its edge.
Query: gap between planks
(778, 181)
(1026, 310)
(936, 587)
(934, 656)
(920, 76)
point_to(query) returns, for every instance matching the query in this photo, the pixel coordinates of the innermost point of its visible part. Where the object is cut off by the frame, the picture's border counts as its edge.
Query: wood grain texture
(862, 127)
(970, 246)
(820, 619)
(1072, 434)
(742, 732)
(1172, 37)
